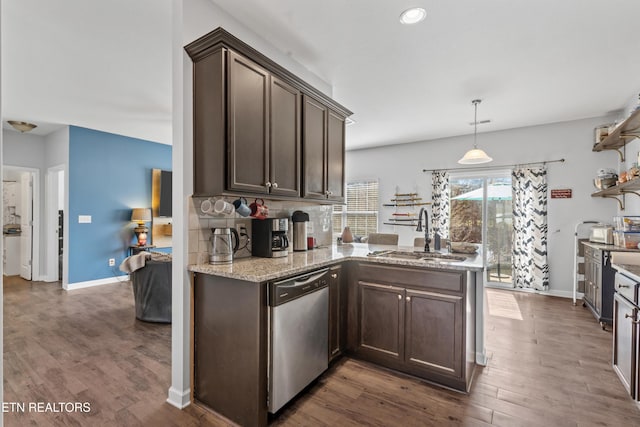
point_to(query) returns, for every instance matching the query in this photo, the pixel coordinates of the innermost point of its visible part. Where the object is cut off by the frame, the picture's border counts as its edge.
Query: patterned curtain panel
(530, 267)
(440, 204)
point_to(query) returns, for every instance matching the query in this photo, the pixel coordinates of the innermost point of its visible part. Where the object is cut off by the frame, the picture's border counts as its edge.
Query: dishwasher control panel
(295, 287)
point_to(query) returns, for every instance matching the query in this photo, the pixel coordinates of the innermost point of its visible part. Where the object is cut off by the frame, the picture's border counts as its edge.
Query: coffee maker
(269, 237)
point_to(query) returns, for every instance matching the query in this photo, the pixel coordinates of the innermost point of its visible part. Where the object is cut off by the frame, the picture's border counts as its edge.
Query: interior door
(26, 224)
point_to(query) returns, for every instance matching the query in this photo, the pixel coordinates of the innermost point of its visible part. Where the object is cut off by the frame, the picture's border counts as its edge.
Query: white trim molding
(179, 399)
(99, 282)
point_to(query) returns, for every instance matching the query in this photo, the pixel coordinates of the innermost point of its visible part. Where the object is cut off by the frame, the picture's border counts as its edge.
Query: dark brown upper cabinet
(247, 125)
(323, 146)
(250, 126)
(284, 138)
(335, 156)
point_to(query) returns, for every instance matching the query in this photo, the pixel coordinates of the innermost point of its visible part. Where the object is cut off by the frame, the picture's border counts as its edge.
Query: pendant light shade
(476, 155)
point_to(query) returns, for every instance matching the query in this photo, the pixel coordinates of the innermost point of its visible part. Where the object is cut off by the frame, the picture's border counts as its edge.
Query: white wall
(57, 148)
(402, 165)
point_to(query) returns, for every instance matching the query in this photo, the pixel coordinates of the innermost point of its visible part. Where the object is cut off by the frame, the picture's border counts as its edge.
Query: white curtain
(440, 204)
(530, 267)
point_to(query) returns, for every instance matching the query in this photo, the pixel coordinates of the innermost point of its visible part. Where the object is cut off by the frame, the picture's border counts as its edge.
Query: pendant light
(475, 155)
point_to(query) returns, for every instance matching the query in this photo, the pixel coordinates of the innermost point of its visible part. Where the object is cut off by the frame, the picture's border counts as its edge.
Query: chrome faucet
(427, 240)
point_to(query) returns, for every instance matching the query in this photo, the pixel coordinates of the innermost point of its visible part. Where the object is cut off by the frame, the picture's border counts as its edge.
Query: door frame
(35, 228)
(52, 186)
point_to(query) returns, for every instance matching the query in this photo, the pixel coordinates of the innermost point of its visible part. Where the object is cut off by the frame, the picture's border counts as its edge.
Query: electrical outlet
(112, 262)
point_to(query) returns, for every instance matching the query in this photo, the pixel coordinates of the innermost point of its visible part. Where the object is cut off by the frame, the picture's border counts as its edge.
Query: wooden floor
(549, 366)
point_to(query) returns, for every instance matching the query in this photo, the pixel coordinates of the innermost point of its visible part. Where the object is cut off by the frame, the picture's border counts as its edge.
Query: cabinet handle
(408, 298)
(623, 286)
(267, 184)
(275, 185)
(399, 296)
(334, 276)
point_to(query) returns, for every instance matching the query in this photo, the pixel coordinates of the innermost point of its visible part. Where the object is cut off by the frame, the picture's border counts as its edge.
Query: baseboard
(91, 283)
(561, 294)
(481, 358)
(551, 293)
(179, 399)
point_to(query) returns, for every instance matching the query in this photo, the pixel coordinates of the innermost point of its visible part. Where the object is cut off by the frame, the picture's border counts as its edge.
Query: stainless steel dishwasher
(299, 335)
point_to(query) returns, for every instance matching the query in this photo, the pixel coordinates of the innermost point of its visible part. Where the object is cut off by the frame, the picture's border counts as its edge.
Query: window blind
(361, 210)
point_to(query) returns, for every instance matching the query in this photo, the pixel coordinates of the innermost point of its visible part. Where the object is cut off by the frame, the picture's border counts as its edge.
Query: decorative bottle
(347, 237)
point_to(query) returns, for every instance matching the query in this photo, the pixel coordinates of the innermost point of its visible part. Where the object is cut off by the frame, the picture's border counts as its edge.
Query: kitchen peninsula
(418, 316)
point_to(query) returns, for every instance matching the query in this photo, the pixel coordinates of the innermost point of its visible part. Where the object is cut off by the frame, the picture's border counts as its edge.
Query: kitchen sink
(425, 256)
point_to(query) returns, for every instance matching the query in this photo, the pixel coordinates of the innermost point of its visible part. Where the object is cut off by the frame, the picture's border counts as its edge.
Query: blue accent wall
(108, 176)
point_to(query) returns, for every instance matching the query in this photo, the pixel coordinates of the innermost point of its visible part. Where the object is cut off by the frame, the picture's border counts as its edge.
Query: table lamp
(141, 216)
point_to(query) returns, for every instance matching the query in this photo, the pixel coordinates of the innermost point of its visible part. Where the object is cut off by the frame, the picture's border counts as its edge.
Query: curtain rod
(544, 162)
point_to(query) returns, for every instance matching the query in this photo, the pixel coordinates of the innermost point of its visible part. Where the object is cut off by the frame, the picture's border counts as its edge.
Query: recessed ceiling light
(413, 15)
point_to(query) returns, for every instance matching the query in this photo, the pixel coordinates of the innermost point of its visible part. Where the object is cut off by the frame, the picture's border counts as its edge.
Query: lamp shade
(141, 215)
(475, 156)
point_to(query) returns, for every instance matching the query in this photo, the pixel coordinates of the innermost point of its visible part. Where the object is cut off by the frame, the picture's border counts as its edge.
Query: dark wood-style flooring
(549, 366)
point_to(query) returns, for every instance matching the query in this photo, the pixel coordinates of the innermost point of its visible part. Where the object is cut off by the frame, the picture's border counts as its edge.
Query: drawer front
(452, 281)
(627, 287)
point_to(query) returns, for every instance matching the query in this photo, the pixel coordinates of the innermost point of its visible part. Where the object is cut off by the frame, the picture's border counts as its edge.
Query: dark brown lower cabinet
(434, 332)
(337, 312)
(230, 348)
(414, 320)
(381, 321)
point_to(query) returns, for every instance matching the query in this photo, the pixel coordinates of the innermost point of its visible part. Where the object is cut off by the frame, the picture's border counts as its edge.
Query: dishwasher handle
(295, 287)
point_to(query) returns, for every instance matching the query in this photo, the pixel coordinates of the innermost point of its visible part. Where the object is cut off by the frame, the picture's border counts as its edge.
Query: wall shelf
(623, 134)
(617, 192)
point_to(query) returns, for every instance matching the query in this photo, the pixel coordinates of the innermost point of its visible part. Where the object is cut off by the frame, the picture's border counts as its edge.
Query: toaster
(601, 233)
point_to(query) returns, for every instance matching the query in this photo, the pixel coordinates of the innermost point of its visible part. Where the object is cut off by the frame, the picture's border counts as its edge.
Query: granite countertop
(256, 269)
(612, 248)
(629, 270)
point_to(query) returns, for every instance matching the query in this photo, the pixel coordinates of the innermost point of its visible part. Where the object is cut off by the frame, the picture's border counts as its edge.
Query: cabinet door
(625, 343)
(335, 156)
(284, 139)
(434, 332)
(381, 325)
(314, 138)
(247, 125)
(335, 315)
(588, 278)
(597, 286)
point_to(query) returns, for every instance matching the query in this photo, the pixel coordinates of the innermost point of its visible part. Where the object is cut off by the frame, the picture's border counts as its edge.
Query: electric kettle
(224, 243)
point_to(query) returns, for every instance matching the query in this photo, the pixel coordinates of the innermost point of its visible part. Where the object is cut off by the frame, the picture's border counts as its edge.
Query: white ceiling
(106, 65)
(103, 65)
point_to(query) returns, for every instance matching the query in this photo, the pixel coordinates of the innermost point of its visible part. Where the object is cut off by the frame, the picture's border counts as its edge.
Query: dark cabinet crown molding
(220, 38)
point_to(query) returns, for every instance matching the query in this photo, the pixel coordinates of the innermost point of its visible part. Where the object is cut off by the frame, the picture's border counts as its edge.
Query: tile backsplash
(200, 225)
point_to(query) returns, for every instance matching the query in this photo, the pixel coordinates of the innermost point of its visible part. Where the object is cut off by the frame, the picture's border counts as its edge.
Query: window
(361, 210)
